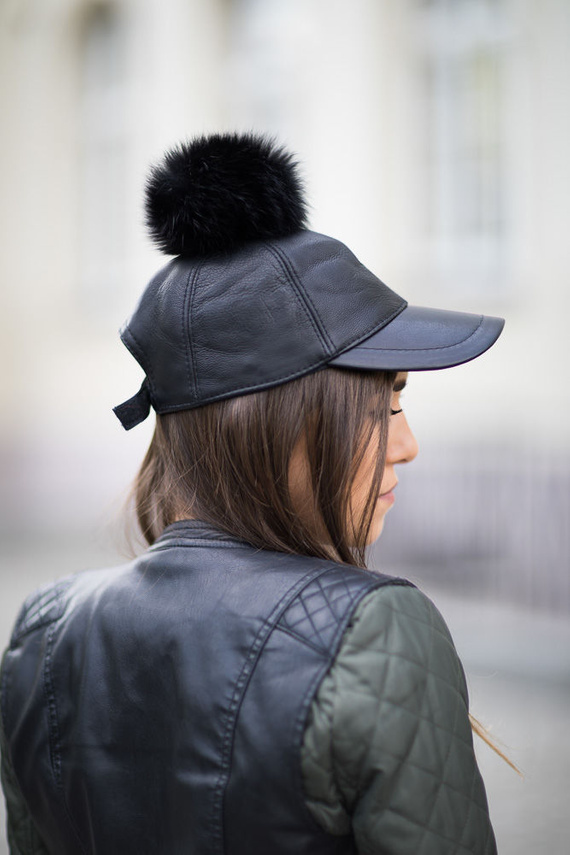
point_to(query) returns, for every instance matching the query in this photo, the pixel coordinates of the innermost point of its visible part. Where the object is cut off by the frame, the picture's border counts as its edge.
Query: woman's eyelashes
(395, 407)
(375, 414)
(396, 401)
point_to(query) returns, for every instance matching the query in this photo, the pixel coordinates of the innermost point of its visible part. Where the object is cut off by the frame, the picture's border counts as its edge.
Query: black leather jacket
(161, 707)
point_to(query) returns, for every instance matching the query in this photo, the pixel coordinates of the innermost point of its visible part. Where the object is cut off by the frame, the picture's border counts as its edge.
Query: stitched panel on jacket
(388, 746)
(314, 614)
(42, 607)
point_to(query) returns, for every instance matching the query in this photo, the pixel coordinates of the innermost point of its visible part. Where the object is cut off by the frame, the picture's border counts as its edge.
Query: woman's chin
(377, 525)
(375, 531)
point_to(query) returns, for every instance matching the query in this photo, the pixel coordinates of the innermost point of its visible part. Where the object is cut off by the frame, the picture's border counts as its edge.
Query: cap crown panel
(250, 326)
(351, 302)
(209, 328)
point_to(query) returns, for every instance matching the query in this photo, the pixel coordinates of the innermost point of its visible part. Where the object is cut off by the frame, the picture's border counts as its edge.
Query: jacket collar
(198, 532)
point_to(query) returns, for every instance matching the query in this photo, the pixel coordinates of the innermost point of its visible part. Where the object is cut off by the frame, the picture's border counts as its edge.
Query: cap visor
(420, 339)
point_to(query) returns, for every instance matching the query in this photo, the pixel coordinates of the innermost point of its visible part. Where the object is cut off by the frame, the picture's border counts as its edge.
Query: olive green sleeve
(388, 750)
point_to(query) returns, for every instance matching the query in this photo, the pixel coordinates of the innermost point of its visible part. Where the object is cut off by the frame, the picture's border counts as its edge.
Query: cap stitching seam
(376, 328)
(189, 352)
(258, 387)
(303, 298)
(426, 349)
(308, 299)
(274, 381)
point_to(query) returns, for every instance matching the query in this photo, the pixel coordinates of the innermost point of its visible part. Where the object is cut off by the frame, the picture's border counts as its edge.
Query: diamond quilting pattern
(42, 607)
(388, 744)
(314, 615)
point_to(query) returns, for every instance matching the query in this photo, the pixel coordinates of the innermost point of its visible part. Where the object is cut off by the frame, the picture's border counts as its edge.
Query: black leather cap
(422, 339)
(212, 328)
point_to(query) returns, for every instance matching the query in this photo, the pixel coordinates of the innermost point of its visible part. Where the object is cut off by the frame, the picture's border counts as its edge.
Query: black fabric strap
(136, 409)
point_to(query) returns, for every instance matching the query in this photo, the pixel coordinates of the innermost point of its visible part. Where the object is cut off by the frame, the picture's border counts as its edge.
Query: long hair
(229, 464)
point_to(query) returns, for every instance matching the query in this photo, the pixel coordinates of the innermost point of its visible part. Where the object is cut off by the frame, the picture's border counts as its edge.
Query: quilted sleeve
(388, 749)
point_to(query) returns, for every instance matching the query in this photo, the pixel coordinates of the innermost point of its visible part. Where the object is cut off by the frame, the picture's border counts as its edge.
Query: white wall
(344, 85)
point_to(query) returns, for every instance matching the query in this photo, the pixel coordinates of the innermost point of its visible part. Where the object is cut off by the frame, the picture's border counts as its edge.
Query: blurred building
(435, 138)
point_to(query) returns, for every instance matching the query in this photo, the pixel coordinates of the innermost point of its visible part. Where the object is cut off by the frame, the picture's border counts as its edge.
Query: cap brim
(421, 339)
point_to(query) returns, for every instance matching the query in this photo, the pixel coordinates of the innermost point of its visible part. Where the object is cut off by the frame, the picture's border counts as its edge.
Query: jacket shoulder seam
(42, 608)
(232, 711)
(300, 726)
(301, 639)
(54, 737)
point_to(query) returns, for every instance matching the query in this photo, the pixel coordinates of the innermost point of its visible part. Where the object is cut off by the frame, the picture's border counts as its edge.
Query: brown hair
(228, 463)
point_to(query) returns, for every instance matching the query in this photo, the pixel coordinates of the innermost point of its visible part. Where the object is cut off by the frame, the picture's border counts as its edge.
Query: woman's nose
(402, 444)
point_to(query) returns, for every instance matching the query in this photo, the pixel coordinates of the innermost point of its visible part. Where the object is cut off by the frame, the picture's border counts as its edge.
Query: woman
(246, 685)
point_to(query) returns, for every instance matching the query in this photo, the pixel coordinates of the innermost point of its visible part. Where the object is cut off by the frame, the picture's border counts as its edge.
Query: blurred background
(435, 138)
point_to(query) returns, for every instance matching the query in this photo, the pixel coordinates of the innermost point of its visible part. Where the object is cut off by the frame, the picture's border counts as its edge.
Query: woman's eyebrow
(400, 384)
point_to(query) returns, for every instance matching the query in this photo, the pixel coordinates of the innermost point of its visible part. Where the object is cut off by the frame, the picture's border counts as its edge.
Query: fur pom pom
(215, 193)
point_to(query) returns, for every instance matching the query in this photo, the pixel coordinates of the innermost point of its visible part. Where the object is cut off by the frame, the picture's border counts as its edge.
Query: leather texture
(420, 339)
(23, 836)
(206, 329)
(160, 707)
(211, 328)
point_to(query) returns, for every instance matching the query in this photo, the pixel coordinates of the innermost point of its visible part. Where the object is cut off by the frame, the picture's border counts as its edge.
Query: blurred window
(462, 45)
(265, 42)
(103, 133)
